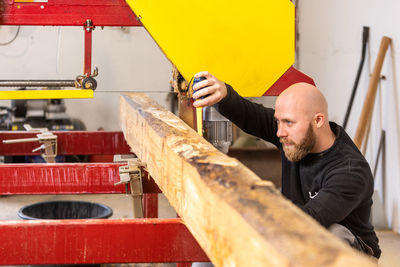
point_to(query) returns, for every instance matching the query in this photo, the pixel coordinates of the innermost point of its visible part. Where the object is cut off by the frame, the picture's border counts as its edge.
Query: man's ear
(319, 120)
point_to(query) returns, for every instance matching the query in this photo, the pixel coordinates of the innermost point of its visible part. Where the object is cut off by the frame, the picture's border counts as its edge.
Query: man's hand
(212, 89)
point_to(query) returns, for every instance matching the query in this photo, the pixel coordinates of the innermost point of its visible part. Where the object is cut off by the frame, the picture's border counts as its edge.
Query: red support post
(150, 205)
(87, 65)
(97, 241)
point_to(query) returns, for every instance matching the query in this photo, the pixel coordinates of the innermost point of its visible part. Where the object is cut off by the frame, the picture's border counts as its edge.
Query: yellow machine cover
(248, 44)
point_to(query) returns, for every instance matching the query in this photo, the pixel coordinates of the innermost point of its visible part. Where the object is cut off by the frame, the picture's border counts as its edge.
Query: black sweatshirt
(334, 186)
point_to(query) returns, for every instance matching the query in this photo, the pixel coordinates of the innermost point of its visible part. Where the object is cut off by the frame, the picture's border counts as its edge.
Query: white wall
(127, 60)
(330, 51)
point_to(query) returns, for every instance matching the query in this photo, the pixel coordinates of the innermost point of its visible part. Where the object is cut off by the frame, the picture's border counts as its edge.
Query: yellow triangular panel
(248, 44)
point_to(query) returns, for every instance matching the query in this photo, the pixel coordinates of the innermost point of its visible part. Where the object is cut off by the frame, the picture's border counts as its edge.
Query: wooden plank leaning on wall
(237, 219)
(368, 107)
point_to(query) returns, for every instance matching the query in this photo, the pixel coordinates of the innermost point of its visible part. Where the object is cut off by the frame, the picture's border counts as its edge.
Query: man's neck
(324, 141)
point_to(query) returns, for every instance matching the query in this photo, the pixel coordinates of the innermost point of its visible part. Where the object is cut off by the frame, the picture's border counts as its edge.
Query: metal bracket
(87, 81)
(47, 139)
(132, 174)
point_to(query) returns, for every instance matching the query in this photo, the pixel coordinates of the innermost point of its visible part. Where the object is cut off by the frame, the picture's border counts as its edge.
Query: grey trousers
(202, 264)
(353, 240)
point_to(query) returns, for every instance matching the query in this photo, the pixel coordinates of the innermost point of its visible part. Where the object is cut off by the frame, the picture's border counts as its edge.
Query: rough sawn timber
(237, 219)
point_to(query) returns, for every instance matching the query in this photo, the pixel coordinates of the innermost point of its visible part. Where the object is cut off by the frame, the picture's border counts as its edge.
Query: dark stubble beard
(296, 152)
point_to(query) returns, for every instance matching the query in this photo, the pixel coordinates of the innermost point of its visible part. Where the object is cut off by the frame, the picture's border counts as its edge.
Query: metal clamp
(47, 139)
(132, 174)
(89, 25)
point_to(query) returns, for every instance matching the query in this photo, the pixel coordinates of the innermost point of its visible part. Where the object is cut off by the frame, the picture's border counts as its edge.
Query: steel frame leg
(150, 205)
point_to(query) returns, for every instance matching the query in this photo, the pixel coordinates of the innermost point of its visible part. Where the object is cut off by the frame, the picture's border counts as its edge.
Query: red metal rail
(97, 241)
(69, 143)
(68, 13)
(65, 178)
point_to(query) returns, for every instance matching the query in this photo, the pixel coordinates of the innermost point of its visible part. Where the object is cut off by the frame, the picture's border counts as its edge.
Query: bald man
(323, 172)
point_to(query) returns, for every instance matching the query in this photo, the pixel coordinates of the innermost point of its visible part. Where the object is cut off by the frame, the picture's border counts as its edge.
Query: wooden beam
(369, 102)
(237, 219)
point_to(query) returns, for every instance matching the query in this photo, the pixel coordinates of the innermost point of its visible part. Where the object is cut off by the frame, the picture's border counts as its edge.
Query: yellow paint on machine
(249, 45)
(199, 120)
(45, 94)
(31, 1)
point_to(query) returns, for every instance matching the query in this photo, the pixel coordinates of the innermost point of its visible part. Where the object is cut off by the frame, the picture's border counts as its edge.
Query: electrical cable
(13, 39)
(381, 147)
(187, 87)
(58, 50)
(353, 93)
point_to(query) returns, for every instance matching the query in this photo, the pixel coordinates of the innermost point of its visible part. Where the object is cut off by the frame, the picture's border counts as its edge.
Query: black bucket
(65, 210)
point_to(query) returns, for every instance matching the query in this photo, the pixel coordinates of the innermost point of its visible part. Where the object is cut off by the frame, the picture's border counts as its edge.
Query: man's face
(296, 151)
(295, 131)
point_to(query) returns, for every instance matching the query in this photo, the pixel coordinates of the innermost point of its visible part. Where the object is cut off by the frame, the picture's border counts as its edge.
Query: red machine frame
(83, 241)
(86, 241)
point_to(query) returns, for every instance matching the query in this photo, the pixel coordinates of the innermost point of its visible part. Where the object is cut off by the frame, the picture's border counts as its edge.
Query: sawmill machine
(251, 47)
(248, 45)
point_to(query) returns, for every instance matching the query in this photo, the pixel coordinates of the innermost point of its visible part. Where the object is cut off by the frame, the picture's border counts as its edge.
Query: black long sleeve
(252, 118)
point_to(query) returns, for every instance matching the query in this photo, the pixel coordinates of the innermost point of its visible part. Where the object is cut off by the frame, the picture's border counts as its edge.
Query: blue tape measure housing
(196, 80)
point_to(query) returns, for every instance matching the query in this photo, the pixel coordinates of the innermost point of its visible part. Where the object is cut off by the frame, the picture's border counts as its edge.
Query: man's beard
(296, 152)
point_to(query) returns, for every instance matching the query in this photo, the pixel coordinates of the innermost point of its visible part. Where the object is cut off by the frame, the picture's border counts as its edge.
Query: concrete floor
(122, 208)
(390, 246)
